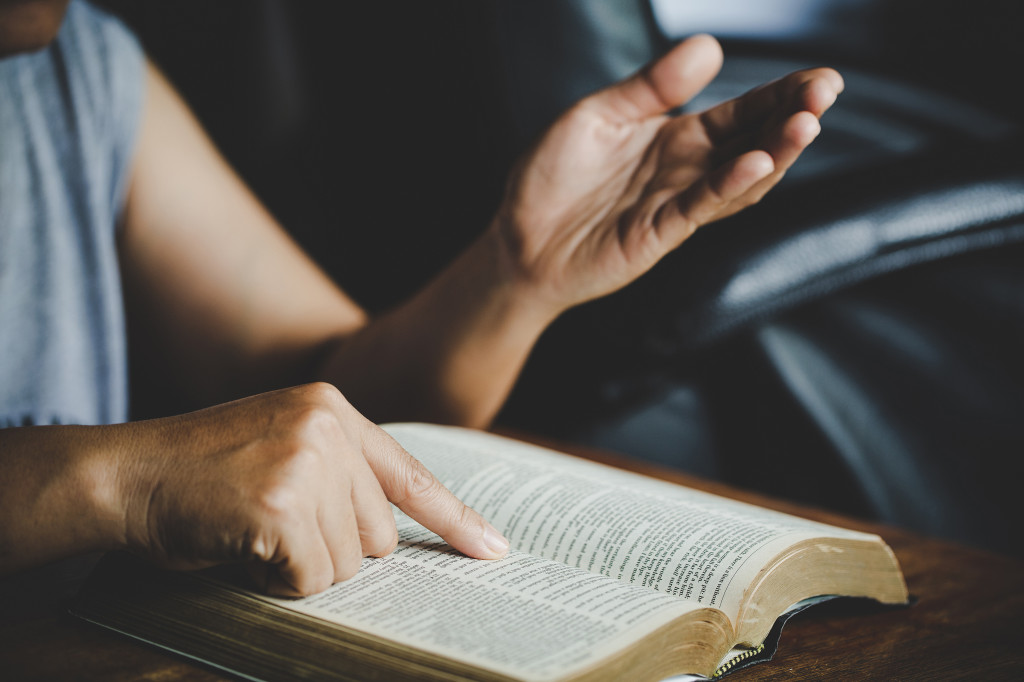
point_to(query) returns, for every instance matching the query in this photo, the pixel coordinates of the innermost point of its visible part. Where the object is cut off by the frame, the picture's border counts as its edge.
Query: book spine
(736, 660)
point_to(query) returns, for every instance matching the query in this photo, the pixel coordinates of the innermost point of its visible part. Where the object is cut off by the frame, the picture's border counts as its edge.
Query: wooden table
(968, 620)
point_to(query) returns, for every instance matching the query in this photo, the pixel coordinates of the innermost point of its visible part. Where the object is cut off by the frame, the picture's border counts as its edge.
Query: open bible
(612, 575)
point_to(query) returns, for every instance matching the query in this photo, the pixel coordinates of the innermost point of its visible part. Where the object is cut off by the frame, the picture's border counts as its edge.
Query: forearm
(59, 494)
(451, 353)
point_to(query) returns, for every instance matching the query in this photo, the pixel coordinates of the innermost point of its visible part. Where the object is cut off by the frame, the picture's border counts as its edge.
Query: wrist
(62, 495)
(454, 350)
(102, 475)
(521, 290)
(114, 480)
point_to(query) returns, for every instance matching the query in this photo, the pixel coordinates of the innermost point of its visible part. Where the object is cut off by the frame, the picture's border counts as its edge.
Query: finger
(813, 90)
(414, 490)
(818, 94)
(664, 84)
(785, 147)
(338, 526)
(790, 139)
(710, 197)
(797, 132)
(302, 576)
(376, 523)
(303, 563)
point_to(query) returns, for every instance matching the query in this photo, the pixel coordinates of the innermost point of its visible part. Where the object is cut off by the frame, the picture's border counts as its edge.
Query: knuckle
(256, 545)
(377, 444)
(297, 465)
(418, 483)
(315, 419)
(466, 517)
(373, 438)
(716, 189)
(322, 396)
(279, 504)
(323, 391)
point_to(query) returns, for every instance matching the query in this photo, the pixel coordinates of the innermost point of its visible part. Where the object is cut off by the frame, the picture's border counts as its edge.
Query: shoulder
(98, 71)
(104, 64)
(102, 44)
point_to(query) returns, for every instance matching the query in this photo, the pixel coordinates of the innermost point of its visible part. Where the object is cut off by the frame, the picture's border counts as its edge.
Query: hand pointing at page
(295, 483)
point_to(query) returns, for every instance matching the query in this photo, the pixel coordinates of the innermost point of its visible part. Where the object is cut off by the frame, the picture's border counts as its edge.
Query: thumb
(413, 489)
(663, 84)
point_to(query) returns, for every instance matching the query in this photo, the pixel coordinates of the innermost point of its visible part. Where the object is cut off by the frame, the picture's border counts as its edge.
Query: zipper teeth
(722, 670)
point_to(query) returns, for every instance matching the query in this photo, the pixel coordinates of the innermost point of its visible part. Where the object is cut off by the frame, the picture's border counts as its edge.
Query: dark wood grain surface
(967, 620)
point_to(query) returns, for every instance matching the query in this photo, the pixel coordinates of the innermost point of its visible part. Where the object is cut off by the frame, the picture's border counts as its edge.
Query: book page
(523, 615)
(650, 533)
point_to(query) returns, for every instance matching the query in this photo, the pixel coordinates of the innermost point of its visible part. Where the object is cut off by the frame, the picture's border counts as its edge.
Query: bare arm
(613, 186)
(231, 305)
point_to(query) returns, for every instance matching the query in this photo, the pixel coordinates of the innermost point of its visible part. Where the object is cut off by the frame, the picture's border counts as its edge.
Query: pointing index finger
(417, 492)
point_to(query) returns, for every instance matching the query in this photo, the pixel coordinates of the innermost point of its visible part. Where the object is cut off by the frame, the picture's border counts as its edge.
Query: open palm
(616, 182)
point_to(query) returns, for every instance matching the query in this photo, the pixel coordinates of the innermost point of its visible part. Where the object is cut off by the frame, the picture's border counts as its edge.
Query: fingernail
(495, 541)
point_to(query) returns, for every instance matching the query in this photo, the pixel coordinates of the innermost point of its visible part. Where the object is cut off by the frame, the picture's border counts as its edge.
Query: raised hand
(616, 182)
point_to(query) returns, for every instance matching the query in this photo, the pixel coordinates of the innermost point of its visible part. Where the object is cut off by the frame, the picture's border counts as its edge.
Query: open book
(612, 575)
